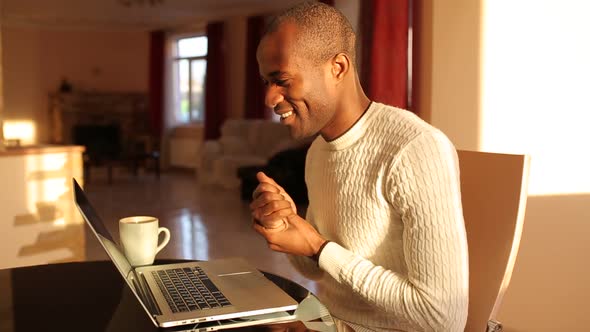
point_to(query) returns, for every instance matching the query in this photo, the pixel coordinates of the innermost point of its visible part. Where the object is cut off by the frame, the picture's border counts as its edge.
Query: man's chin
(298, 134)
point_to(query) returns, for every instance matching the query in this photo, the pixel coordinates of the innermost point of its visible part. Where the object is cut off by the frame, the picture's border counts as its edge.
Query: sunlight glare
(535, 81)
(21, 130)
(194, 236)
(59, 222)
(42, 188)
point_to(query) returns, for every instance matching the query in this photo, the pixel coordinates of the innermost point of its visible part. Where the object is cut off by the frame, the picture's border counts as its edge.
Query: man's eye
(281, 83)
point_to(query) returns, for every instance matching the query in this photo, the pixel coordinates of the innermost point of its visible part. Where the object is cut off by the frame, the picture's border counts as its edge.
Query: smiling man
(384, 233)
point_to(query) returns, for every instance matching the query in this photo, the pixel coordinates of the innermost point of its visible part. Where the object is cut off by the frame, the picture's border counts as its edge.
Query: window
(190, 65)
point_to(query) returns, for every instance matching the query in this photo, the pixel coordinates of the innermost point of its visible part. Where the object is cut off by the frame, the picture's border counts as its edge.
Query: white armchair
(242, 143)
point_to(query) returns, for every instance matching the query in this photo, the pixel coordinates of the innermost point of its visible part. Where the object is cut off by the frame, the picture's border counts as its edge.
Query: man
(384, 233)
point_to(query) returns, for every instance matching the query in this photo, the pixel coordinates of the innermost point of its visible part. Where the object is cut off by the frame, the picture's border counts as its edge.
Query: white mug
(139, 238)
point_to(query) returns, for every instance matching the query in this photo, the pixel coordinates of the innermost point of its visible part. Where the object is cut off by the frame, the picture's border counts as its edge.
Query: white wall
(535, 70)
(450, 88)
(512, 76)
(35, 60)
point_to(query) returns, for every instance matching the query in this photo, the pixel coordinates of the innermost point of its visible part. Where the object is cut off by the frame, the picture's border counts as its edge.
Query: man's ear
(340, 66)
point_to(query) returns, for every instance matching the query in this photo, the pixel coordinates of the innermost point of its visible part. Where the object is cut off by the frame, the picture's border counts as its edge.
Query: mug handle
(166, 238)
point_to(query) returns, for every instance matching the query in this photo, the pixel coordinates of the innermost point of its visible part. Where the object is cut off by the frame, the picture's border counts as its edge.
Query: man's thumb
(294, 219)
(264, 178)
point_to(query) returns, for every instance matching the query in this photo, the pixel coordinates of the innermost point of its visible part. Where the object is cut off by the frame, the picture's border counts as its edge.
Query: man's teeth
(286, 115)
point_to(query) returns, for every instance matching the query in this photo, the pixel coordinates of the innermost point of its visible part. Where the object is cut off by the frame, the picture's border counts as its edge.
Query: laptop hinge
(141, 285)
(494, 326)
(150, 296)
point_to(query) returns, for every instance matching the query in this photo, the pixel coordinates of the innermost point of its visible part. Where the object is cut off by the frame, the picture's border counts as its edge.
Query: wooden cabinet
(39, 222)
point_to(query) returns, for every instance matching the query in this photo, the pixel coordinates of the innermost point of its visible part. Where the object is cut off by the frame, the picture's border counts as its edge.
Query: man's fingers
(274, 206)
(265, 198)
(273, 210)
(267, 233)
(275, 219)
(263, 178)
(265, 187)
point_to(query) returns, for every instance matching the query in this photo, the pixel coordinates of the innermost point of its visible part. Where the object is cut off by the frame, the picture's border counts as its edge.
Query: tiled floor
(204, 222)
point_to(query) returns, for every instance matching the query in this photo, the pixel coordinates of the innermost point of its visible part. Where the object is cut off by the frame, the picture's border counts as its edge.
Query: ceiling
(132, 14)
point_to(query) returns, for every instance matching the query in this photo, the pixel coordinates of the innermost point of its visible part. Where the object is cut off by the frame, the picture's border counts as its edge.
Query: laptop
(229, 292)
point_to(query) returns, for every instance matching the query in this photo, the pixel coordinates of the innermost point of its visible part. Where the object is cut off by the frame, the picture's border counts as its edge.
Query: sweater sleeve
(423, 186)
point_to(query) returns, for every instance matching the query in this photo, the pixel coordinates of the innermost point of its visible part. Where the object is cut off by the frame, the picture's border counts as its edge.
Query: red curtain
(384, 25)
(254, 98)
(215, 88)
(156, 82)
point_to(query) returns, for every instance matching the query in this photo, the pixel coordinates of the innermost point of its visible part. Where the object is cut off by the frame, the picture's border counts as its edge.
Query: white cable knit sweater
(387, 194)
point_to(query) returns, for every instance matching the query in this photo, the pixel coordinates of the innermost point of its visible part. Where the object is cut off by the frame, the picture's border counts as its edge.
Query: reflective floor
(204, 222)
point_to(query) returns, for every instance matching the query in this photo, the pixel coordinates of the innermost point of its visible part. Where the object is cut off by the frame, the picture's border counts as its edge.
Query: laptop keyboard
(189, 289)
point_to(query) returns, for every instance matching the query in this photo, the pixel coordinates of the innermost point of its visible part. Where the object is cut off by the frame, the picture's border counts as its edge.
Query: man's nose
(273, 96)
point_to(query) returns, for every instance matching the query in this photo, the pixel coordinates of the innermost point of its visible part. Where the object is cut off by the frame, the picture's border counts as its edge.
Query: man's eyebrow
(275, 73)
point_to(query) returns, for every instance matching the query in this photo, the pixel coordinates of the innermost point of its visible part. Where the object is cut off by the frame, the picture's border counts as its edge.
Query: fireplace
(114, 128)
(102, 142)
(127, 111)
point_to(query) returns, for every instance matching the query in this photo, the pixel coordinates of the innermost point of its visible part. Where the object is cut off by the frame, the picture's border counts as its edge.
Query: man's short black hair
(323, 31)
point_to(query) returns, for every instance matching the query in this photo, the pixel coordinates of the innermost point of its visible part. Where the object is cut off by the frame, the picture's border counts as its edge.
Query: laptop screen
(101, 232)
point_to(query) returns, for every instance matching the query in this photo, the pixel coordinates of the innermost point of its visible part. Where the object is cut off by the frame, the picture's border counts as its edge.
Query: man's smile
(286, 115)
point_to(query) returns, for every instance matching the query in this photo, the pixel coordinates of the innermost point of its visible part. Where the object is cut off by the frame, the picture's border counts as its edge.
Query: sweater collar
(352, 135)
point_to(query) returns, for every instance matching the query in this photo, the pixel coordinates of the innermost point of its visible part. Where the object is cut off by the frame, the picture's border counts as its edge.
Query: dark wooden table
(92, 296)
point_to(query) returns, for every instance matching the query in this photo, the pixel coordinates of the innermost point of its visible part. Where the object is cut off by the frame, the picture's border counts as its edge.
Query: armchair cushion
(242, 143)
(234, 145)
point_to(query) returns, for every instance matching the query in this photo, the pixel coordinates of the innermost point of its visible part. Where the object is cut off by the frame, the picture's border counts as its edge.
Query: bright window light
(536, 74)
(20, 130)
(192, 47)
(189, 83)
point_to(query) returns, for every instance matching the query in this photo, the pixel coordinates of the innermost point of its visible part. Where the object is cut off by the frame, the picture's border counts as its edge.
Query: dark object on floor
(287, 168)
(105, 147)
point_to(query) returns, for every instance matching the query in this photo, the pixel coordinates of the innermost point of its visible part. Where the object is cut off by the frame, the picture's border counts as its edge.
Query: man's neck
(349, 110)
